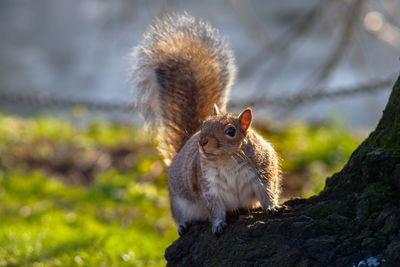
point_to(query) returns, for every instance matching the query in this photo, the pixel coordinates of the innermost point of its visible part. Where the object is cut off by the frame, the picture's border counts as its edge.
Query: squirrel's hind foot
(218, 228)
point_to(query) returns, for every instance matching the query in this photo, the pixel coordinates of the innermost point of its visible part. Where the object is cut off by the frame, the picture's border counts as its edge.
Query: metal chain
(36, 100)
(323, 94)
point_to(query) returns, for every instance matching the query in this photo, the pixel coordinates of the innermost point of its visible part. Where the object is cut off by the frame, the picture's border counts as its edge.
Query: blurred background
(81, 183)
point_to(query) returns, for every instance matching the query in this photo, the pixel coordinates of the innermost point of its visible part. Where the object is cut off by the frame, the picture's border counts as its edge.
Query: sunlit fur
(219, 143)
(243, 172)
(183, 68)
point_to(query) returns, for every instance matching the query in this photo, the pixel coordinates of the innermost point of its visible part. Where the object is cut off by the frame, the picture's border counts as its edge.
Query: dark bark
(355, 217)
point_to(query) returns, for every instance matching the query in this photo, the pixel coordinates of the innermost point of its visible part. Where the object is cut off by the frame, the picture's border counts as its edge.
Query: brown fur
(244, 173)
(218, 162)
(183, 68)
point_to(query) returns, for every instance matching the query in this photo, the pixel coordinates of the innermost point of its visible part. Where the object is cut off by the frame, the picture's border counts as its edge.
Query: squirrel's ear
(216, 110)
(245, 119)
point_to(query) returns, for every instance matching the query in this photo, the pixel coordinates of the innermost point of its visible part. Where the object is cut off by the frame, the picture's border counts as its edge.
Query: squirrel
(217, 162)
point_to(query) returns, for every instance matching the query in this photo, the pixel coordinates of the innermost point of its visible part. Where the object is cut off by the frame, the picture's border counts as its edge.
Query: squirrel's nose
(203, 141)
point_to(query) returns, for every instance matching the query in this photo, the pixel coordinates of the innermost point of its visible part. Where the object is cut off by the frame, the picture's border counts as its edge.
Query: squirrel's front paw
(218, 227)
(273, 210)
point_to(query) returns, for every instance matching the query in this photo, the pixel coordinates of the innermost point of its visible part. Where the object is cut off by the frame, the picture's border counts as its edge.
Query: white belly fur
(232, 183)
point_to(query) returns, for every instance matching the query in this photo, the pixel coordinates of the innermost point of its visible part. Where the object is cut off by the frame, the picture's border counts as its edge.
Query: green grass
(311, 153)
(95, 194)
(116, 220)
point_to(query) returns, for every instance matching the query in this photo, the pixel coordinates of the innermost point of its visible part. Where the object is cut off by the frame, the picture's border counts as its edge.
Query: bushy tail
(182, 69)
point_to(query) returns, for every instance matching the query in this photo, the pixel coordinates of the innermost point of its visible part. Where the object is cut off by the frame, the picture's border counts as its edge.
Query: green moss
(321, 210)
(391, 141)
(375, 190)
(392, 225)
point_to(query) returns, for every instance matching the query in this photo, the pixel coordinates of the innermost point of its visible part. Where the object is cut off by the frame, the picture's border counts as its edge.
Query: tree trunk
(354, 220)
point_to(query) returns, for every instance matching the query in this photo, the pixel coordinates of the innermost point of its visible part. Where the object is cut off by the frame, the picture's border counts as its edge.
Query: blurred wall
(81, 48)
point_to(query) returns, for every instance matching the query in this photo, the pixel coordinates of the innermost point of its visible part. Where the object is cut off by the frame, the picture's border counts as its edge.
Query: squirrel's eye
(230, 131)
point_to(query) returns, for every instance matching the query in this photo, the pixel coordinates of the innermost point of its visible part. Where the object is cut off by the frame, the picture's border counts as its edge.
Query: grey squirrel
(217, 163)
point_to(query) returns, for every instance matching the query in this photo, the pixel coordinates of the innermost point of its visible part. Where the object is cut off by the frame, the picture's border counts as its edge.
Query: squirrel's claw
(273, 210)
(218, 228)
